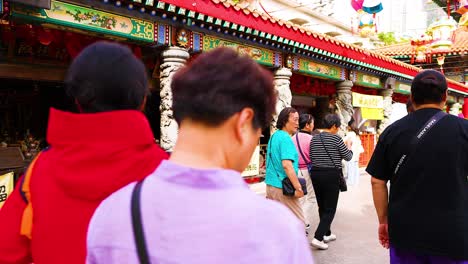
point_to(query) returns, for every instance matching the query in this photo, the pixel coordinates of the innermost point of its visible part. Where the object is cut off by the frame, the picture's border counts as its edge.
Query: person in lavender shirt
(195, 207)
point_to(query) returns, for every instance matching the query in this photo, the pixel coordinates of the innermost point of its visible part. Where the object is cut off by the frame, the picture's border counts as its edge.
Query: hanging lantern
(366, 25)
(372, 6)
(421, 49)
(45, 36)
(357, 4)
(440, 62)
(442, 32)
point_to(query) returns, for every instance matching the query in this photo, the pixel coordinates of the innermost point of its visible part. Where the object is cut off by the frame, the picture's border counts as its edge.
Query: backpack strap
(25, 191)
(415, 142)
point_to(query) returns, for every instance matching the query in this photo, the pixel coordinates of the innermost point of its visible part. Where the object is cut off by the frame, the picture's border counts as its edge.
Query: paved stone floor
(355, 225)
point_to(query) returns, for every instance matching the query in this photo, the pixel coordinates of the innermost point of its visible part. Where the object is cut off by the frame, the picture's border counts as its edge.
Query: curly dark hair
(284, 116)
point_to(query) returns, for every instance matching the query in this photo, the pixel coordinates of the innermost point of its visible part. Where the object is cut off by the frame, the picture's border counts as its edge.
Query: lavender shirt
(197, 216)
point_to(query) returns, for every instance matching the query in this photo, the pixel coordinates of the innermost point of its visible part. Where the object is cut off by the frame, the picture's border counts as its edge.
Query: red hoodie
(91, 156)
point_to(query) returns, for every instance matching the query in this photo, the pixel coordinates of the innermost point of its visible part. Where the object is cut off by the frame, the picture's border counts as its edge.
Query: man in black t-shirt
(425, 218)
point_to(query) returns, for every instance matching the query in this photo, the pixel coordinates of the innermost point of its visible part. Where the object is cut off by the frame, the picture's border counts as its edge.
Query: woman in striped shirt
(327, 150)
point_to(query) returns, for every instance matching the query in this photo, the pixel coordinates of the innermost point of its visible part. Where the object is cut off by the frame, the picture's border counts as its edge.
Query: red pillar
(465, 108)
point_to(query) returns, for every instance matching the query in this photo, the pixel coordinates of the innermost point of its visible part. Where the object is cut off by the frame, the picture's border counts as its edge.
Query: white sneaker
(331, 237)
(319, 244)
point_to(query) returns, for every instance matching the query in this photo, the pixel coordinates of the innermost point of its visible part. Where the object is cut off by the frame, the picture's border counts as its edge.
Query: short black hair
(220, 83)
(429, 86)
(305, 119)
(331, 120)
(284, 116)
(107, 76)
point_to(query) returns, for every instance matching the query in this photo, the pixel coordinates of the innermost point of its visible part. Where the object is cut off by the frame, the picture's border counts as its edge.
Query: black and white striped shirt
(336, 148)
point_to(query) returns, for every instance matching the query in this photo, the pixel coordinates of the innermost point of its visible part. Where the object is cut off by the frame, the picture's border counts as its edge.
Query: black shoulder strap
(138, 226)
(417, 138)
(299, 147)
(326, 150)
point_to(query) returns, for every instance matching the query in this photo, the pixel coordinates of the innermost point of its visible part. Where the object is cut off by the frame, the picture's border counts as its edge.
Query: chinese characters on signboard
(371, 106)
(254, 165)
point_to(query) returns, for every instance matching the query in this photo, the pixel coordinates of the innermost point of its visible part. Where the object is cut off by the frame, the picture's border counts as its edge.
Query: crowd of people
(294, 153)
(104, 192)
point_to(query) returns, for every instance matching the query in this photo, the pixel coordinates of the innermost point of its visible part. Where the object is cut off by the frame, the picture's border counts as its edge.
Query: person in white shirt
(352, 166)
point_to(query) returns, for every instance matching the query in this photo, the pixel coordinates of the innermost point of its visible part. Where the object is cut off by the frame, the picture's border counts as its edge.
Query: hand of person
(349, 144)
(298, 193)
(383, 236)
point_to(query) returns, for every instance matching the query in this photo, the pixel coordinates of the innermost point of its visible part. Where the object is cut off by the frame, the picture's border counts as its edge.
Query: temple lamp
(440, 61)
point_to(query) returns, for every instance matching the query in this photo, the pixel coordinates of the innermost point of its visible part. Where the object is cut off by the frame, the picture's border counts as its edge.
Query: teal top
(280, 147)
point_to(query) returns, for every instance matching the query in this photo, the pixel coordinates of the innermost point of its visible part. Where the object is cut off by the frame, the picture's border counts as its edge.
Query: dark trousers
(327, 190)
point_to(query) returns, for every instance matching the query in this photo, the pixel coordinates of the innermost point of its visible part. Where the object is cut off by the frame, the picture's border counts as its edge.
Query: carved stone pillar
(388, 108)
(173, 59)
(344, 103)
(281, 82)
(455, 109)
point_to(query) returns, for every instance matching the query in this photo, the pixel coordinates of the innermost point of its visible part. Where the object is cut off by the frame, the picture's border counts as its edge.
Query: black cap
(431, 78)
(429, 86)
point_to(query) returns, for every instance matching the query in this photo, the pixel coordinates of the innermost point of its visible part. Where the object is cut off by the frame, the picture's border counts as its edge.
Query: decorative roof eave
(406, 50)
(457, 87)
(459, 47)
(222, 9)
(234, 19)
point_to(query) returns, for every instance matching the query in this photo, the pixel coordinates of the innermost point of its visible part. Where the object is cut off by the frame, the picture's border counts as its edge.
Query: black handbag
(341, 182)
(287, 186)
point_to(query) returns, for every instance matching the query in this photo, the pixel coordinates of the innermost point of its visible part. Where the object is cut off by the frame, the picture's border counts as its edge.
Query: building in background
(313, 71)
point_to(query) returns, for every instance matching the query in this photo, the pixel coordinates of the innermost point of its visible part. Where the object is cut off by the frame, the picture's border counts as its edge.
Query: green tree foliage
(388, 38)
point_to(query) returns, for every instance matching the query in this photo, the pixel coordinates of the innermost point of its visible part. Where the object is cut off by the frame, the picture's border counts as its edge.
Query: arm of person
(345, 153)
(380, 195)
(14, 247)
(291, 173)
(380, 170)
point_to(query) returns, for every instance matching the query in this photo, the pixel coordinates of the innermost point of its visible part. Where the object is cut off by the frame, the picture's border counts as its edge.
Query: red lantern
(45, 37)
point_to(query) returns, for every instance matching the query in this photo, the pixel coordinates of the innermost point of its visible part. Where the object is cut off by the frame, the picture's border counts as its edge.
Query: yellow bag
(6, 187)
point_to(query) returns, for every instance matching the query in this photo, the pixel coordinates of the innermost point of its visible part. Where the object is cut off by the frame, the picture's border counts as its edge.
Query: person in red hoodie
(93, 153)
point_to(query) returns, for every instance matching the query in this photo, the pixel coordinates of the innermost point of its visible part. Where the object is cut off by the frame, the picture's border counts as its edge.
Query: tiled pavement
(355, 225)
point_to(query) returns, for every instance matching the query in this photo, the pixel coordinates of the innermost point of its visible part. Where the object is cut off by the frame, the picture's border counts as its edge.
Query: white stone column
(282, 87)
(173, 59)
(388, 108)
(455, 109)
(344, 104)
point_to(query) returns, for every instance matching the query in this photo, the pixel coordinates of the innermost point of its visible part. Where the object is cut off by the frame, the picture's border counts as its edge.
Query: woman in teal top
(283, 161)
